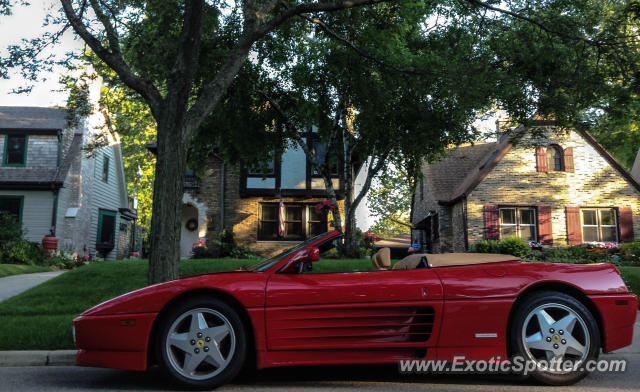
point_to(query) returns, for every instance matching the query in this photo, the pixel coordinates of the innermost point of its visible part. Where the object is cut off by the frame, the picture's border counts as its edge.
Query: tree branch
(115, 61)
(213, 91)
(112, 35)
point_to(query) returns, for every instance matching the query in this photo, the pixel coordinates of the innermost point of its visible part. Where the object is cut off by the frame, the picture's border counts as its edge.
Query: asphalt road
(313, 379)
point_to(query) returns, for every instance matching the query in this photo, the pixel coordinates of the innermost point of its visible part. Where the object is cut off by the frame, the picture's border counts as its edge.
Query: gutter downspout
(222, 184)
(465, 223)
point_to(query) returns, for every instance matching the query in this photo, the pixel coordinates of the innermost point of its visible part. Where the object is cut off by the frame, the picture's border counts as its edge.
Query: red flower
(325, 205)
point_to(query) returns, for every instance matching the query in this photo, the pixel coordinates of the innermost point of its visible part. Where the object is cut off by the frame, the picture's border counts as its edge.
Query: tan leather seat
(382, 259)
(409, 262)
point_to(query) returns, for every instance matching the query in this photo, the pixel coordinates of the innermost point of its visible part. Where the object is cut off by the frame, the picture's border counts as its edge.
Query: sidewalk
(16, 284)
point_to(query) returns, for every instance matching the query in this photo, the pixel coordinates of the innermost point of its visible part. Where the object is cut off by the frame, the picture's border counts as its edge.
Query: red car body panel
(361, 317)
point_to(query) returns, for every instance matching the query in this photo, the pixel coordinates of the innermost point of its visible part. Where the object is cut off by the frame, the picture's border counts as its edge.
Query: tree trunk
(164, 260)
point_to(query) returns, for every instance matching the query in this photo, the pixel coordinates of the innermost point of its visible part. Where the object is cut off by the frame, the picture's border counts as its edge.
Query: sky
(26, 22)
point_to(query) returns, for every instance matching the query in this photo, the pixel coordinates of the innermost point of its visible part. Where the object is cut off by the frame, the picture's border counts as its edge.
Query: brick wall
(515, 181)
(240, 214)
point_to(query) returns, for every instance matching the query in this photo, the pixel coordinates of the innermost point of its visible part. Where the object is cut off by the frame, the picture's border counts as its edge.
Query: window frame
(101, 213)
(5, 156)
(517, 225)
(598, 224)
(106, 161)
(305, 222)
(559, 158)
(21, 198)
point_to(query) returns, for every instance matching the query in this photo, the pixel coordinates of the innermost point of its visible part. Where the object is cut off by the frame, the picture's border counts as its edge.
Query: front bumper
(618, 313)
(114, 341)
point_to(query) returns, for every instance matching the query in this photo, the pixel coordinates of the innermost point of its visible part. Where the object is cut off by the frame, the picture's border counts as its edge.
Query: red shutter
(545, 235)
(568, 159)
(541, 160)
(574, 227)
(491, 222)
(626, 224)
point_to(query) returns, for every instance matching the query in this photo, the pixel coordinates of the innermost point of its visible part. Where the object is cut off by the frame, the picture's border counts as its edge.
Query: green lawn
(40, 318)
(17, 269)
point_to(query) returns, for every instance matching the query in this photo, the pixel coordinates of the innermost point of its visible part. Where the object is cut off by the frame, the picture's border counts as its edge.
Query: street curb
(37, 358)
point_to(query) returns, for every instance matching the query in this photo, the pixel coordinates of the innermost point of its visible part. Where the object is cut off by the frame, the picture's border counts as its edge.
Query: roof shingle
(32, 118)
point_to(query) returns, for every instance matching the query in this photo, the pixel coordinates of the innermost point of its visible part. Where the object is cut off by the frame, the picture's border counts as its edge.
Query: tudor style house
(52, 187)
(557, 188)
(245, 200)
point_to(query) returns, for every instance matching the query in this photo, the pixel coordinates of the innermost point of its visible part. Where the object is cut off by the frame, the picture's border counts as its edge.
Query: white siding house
(50, 184)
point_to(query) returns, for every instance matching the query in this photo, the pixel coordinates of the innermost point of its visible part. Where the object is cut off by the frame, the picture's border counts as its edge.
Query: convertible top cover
(451, 259)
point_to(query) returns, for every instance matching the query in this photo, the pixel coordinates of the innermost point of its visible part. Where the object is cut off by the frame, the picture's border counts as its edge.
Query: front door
(378, 309)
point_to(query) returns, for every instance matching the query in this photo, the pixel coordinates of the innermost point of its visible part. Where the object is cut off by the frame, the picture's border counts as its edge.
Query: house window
(319, 149)
(105, 168)
(301, 222)
(12, 205)
(106, 229)
(264, 169)
(15, 150)
(599, 225)
(554, 158)
(518, 222)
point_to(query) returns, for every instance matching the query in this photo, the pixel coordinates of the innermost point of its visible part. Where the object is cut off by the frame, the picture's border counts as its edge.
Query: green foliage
(515, 246)
(243, 252)
(630, 251)
(226, 242)
(10, 229)
(390, 201)
(22, 252)
(486, 246)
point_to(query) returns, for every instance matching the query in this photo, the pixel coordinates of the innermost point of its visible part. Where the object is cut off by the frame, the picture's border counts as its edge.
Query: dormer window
(554, 158)
(15, 150)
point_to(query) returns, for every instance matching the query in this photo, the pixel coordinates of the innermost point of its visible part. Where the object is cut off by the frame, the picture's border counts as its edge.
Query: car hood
(151, 299)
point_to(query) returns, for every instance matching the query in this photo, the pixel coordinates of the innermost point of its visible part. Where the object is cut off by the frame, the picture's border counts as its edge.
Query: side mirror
(303, 256)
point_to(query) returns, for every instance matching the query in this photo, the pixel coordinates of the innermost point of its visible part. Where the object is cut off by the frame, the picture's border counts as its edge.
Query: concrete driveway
(16, 284)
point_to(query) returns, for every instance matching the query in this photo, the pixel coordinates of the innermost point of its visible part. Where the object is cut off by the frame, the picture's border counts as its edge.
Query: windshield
(268, 263)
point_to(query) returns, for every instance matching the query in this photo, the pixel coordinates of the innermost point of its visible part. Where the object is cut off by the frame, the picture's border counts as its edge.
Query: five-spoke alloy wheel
(558, 334)
(202, 342)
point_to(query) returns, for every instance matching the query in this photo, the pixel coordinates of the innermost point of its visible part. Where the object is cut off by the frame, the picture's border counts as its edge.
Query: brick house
(52, 187)
(245, 200)
(554, 187)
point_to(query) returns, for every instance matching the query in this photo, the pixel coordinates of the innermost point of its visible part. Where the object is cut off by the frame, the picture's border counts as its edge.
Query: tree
(390, 201)
(182, 58)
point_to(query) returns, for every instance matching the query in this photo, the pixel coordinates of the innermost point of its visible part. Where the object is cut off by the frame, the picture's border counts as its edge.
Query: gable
(595, 172)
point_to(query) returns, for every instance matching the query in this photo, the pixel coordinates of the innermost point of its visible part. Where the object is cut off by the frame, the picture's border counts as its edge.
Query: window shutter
(626, 224)
(574, 227)
(545, 235)
(491, 222)
(541, 160)
(568, 159)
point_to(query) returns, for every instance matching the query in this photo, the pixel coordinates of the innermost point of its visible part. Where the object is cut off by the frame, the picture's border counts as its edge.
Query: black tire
(584, 335)
(177, 355)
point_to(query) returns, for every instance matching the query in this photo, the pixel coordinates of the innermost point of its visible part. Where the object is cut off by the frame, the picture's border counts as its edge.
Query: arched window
(555, 158)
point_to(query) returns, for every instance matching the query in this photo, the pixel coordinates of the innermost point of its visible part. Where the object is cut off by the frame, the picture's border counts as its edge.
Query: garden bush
(486, 246)
(226, 242)
(243, 252)
(22, 252)
(515, 246)
(630, 252)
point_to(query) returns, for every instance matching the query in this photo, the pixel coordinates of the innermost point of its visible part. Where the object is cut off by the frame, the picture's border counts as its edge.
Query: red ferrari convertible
(204, 328)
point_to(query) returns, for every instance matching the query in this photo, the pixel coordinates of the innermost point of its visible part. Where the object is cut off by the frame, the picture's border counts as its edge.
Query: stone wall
(516, 182)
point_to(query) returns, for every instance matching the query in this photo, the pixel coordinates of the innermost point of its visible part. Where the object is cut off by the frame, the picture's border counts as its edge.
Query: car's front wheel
(556, 333)
(202, 342)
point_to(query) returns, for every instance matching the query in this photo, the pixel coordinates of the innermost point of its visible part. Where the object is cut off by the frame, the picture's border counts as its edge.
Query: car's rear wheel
(558, 334)
(202, 342)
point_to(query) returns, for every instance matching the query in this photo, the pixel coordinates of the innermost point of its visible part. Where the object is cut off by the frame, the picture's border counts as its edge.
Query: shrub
(486, 246)
(515, 246)
(243, 252)
(22, 252)
(630, 251)
(10, 229)
(66, 258)
(226, 242)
